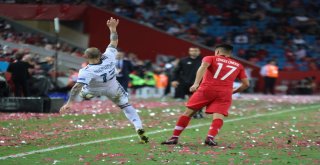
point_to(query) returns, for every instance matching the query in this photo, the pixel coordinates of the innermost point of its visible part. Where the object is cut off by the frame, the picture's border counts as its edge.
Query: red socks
(182, 123)
(215, 127)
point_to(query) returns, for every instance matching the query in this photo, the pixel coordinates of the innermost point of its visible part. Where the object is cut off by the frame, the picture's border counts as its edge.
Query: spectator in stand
(269, 73)
(137, 2)
(316, 46)
(298, 40)
(241, 39)
(301, 53)
(175, 29)
(250, 53)
(47, 65)
(172, 7)
(20, 75)
(268, 36)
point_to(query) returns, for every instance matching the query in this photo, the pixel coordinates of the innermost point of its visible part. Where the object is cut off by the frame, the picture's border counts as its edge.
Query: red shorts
(214, 101)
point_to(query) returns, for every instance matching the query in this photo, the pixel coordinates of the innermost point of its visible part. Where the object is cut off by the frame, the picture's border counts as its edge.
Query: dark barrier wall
(292, 76)
(144, 41)
(299, 75)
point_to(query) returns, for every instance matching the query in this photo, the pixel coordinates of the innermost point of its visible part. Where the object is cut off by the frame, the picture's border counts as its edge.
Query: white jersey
(100, 79)
(100, 75)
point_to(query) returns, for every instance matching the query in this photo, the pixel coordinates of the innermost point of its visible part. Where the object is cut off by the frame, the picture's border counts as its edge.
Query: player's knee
(218, 116)
(122, 106)
(121, 102)
(189, 112)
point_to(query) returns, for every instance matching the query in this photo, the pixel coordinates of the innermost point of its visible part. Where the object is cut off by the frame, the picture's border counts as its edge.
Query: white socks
(133, 116)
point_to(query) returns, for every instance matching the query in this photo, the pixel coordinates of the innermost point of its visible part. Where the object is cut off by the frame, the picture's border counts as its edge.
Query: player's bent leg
(131, 115)
(120, 98)
(198, 115)
(189, 112)
(134, 118)
(216, 125)
(182, 123)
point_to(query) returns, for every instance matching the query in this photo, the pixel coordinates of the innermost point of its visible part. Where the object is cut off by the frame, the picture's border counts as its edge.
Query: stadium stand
(258, 29)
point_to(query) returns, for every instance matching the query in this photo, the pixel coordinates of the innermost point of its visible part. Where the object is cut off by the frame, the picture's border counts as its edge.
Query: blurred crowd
(169, 76)
(26, 74)
(10, 34)
(260, 29)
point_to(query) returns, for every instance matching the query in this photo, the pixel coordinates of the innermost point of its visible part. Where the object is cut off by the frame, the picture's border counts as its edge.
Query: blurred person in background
(161, 82)
(20, 75)
(185, 74)
(270, 73)
(306, 86)
(137, 78)
(4, 86)
(124, 68)
(72, 80)
(148, 90)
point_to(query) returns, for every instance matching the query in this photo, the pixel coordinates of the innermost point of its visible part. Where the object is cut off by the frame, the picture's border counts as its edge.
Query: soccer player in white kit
(99, 78)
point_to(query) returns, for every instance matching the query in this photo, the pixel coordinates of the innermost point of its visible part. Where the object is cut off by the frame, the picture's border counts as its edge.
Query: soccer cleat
(171, 141)
(143, 138)
(210, 142)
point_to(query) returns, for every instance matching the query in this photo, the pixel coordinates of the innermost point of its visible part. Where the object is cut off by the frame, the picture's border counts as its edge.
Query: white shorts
(114, 92)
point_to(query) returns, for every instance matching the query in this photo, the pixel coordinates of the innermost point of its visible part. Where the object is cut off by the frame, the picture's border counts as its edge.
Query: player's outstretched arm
(73, 94)
(202, 69)
(244, 85)
(112, 24)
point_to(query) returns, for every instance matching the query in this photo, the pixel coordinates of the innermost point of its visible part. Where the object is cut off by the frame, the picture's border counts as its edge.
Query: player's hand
(65, 108)
(194, 87)
(174, 84)
(112, 23)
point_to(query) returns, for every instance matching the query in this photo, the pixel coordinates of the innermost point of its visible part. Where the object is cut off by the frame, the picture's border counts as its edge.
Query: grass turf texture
(285, 138)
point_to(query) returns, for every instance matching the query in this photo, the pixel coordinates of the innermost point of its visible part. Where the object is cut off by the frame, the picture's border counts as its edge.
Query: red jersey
(221, 73)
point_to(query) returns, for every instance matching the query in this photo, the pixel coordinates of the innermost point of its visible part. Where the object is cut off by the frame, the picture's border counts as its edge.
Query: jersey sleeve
(84, 77)
(208, 59)
(242, 74)
(110, 53)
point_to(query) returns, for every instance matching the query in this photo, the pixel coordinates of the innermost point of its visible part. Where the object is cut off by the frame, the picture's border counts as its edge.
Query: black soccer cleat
(143, 138)
(171, 141)
(210, 142)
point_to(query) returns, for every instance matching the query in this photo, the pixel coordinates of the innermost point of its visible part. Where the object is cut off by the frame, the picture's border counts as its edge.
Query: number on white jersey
(104, 76)
(220, 65)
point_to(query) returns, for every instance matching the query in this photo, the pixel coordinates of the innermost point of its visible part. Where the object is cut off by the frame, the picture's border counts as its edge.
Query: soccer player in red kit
(215, 92)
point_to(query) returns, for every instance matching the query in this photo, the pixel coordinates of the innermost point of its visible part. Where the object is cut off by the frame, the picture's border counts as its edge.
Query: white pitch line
(150, 133)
